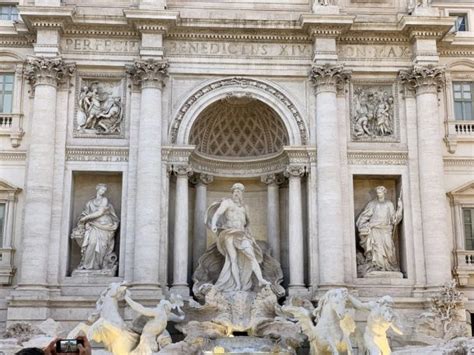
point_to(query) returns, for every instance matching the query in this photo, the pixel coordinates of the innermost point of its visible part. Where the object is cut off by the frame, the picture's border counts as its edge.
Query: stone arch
(260, 90)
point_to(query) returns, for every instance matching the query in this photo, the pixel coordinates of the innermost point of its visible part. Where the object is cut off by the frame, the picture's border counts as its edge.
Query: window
(8, 12)
(463, 101)
(468, 220)
(2, 222)
(6, 93)
(461, 22)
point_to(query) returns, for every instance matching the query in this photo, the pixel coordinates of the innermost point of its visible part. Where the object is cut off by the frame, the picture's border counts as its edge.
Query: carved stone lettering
(240, 49)
(379, 51)
(87, 45)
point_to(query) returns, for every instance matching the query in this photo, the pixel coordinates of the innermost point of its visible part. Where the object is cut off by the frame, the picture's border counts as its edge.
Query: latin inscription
(241, 49)
(374, 52)
(100, 45)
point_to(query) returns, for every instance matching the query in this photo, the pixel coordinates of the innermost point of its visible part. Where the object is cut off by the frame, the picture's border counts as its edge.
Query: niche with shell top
(380, 249)
(99, 234)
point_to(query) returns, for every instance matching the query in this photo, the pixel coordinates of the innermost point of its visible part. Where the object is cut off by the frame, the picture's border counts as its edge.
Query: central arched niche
(238, 127)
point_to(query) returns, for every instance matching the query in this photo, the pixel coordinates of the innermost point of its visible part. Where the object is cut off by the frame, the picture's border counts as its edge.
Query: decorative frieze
(148, 72)
(12, 156)
(97, 154)
(377, 158)
(328, 77)
(373, 114)
(423, 78)
(47, 71)
(100, 106)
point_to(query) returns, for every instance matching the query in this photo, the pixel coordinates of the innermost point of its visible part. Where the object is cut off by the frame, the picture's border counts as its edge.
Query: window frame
(3, 92)
(11, 15)
(466, 21)
(461, 100)
(463, 209)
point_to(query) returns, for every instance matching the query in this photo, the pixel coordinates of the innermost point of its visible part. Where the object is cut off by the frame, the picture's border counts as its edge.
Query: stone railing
(464, 268)
(461, 128)
(11, 124)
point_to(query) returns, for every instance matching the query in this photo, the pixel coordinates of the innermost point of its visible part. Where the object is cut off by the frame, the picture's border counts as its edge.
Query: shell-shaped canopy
(238, 127)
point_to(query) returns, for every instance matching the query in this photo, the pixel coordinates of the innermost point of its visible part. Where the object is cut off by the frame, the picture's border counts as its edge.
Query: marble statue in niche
(95, 234)
(229, 219)
(372, 113)
(376, 226)
(99, 110)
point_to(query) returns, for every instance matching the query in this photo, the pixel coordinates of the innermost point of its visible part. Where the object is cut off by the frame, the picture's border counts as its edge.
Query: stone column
(330, 221)
(295, 231)
(200, 207)
(181, 232)
(44, 75)
(150, 76)
(426, 80)
(273, 213)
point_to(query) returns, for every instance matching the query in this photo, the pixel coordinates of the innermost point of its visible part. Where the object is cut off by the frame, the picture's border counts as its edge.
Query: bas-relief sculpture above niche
(100, 106)
(378, 212)
(373, 113)
(95, 224)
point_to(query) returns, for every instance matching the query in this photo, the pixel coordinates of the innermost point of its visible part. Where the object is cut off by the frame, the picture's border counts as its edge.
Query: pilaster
(426, 81)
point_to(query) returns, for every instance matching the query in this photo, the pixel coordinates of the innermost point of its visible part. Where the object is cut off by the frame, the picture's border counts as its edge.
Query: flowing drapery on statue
(228, 218)
(95, 233)
(376, 225)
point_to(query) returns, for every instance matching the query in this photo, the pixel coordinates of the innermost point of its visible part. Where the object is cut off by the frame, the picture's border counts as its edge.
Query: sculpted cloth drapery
(375, 225)
(228, 218)
(95, 233)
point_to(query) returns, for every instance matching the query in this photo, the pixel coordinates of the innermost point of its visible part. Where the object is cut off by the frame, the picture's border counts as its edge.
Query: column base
(182, 290)
(298, 290)
(147, 291)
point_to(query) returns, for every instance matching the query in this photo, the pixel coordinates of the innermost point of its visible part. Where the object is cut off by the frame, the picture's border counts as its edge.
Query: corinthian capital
(295, 171)
(182, 170)
(329, 76)
(422, 78)
(148, 72)
(47, 71)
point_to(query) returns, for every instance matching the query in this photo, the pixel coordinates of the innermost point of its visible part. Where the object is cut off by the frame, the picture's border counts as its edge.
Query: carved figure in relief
(229, 219)
(95, 233)
(154, 335)
(376, 225)
(381, 318)
(372, 114)
(99, 112)
(334, 323)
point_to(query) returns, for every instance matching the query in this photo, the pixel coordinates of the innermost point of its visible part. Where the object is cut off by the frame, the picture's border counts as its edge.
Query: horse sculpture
(106, 325)
(333, 326)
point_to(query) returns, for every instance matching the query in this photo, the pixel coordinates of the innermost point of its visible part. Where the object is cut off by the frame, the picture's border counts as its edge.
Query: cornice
(371, 37)
(101, 31)
(426, 26)
(326, 25)
(456, 51)
(18, 41)
(36, 17)
(232, 36)
(151, 21)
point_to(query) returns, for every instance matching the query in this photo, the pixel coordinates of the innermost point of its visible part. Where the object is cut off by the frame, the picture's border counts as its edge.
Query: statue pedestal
(384, 275)
(94, 273)
(244, 345)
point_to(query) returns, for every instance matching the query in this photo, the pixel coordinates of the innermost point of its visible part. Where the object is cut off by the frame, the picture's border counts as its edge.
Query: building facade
(168, 104)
